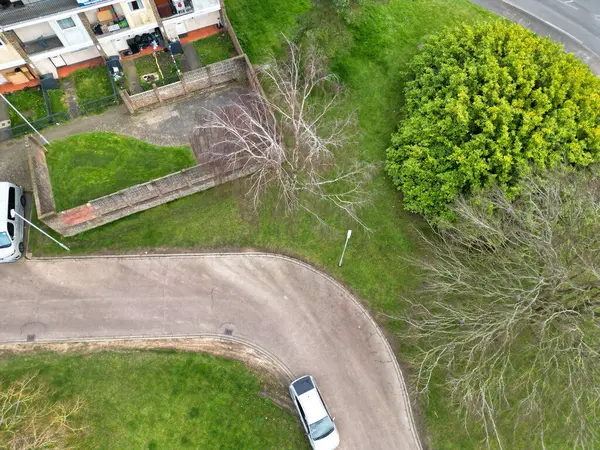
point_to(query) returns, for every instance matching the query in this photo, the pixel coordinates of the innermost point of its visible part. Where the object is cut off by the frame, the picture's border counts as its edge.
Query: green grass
(92, 84)
(215, 48)
(258, 25)
(86, 166)
(58, 102)
(146, 65)
(161, 400)
(30, 103)
(369, 48)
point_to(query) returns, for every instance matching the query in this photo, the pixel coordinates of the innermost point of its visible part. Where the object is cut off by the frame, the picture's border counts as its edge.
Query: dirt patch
(275, 376)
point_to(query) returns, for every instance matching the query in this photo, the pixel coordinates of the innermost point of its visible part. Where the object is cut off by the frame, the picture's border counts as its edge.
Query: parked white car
(11, 228)
(314, 415)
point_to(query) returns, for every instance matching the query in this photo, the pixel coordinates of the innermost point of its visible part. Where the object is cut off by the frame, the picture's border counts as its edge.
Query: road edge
(400, 376)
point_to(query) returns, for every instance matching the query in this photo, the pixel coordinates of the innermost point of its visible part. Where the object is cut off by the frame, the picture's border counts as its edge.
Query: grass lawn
(30, 102)
(58, 102)
(86, 166)
(215, 48)
(369, 49)
(161, 400)
(146, 65)
(92, 84)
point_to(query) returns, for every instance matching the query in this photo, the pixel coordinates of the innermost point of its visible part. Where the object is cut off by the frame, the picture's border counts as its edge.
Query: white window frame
(58, 21)
(140, 4)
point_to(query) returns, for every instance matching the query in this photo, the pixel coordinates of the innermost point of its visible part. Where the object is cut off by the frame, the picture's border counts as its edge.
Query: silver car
(314, 415)
(11, 226)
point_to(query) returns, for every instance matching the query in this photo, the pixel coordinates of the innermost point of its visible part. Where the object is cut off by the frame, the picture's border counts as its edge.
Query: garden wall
(213, 75)
(122, 203)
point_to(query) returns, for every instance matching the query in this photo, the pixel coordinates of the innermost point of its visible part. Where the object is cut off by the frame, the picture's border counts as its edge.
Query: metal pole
(345, 245)
(13, 213)
(23, 117)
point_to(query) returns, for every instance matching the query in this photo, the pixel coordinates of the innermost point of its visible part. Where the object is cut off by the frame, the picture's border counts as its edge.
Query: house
(57, 36)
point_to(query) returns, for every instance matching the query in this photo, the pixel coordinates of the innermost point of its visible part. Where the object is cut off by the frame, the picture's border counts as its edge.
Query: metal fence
(94, 107)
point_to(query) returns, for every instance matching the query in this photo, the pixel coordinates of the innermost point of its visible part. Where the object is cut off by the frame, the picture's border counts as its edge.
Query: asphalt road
(573, 23)
(296, 313)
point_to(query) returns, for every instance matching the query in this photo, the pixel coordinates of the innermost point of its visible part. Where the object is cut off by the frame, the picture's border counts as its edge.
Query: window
(11, 201)
(136, 5)
(65, 23)
(4, 240)
(11, 229)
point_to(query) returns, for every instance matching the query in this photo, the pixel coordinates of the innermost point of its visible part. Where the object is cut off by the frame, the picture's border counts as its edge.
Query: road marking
(547, 23)
(597, 17)
(568, 3)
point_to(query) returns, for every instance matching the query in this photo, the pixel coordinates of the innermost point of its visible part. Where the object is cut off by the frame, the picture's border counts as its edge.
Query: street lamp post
(345, 245)
(27, 121)
(13, 213)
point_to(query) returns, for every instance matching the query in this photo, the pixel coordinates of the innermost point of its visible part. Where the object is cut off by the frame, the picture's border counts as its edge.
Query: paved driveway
(296, 313)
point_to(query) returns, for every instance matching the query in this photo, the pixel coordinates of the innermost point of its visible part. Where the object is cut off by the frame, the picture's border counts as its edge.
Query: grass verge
(92, 84)
(161, 399)
(215, 48)
(30, 103)
(86, 166)
(369, 47)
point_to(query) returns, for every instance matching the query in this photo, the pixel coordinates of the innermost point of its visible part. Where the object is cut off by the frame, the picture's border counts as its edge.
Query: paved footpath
(299, 315)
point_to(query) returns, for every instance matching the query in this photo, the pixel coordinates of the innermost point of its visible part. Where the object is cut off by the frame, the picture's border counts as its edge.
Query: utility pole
(13, 213)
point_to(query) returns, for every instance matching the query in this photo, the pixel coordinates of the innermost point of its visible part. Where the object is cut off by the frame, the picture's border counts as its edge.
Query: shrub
(488, 104)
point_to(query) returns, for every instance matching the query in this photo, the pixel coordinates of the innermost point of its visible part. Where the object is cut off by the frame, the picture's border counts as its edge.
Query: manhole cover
(229, 331)
(30, 337)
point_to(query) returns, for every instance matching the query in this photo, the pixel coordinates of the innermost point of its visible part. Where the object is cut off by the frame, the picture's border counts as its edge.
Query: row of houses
(47, 37)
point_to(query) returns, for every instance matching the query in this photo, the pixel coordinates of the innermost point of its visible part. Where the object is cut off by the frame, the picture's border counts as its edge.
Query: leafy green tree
(487, 105)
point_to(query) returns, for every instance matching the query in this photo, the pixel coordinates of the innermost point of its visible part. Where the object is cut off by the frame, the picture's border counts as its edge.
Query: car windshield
(4, 240)
(321, 428)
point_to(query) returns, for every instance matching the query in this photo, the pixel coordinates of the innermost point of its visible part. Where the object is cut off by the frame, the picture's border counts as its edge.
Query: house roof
(15, 14)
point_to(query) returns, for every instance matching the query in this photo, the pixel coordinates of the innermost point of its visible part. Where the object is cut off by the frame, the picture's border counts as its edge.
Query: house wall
(45, 66)
(140, 17)
(176, 25)
(31, 33)
(112, 44)
(71, 36)
(9, 57)
(81, 55)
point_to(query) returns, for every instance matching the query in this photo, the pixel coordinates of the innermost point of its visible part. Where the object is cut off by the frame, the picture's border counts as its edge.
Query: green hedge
(487, 104)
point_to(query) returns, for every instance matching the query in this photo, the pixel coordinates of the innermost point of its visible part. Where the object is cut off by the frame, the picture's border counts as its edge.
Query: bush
(487, 104)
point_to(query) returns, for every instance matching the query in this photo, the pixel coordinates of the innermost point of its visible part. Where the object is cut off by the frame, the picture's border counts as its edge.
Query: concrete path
(170, 124)
(190, 60)
(296, 313)
(68, 86)
(133, 80)
(573, 23)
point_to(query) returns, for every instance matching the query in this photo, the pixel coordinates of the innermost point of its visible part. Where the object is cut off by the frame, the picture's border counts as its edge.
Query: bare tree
(289, 138)
(30, 420)
(509, 312)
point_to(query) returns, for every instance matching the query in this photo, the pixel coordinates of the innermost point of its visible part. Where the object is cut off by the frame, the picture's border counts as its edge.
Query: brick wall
(213, 75)
(122, 203)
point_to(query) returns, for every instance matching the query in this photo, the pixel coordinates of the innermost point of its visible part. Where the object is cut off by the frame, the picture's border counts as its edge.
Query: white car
(314, 415)
(11, 227)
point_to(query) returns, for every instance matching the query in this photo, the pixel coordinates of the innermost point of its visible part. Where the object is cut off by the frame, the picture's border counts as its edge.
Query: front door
(58, 61)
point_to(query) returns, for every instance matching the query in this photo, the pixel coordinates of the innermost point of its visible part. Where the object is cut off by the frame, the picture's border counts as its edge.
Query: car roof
(313, 406)
(304, 384)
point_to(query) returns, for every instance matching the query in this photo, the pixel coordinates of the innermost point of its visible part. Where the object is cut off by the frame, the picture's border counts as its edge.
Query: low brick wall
(211, 76)
(42, 188)
(122, 203)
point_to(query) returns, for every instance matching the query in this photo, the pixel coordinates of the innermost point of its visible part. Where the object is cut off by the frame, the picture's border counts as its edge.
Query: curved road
(296, 313)
(573, 23)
